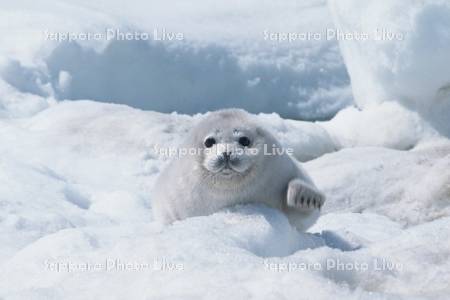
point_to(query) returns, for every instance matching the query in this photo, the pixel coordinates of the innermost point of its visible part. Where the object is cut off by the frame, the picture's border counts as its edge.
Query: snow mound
(15, 104)
(409, 64)
(374, 126)
(410, 187)
(222, 253)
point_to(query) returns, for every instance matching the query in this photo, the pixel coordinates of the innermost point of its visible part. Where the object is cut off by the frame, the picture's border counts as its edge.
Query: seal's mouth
(226, 165)
(227, 171)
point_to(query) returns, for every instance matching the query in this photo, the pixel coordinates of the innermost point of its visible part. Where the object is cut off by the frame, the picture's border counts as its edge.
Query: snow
(224, 58)
(76, 177)
(410, 67)
(76, 188)
(410, 187)
(374, 126)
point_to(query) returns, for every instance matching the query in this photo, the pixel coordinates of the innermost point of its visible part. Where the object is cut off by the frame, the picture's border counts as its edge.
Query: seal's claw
(303, 197)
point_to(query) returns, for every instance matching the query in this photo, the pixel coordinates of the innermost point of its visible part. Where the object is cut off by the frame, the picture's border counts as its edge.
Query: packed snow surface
(76, 191)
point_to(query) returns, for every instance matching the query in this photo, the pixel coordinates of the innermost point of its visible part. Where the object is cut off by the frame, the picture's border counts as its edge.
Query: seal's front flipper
(303, 197)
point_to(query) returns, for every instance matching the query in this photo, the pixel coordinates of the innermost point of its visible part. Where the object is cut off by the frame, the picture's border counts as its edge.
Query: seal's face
(230, 151)
(232, 145)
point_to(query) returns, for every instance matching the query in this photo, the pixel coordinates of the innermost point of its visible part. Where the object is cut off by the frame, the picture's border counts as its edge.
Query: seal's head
(232, 145)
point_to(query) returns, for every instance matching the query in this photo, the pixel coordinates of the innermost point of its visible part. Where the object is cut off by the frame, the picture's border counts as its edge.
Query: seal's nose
(226, 155)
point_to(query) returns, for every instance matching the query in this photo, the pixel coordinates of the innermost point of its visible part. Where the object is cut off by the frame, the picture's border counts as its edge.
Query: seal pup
(225, 161)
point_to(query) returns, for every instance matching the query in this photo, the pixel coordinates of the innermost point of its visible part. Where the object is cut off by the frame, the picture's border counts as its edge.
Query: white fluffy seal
(227, 164)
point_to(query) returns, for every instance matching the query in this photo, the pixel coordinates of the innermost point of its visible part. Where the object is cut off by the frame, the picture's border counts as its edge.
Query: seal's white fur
(228, 173)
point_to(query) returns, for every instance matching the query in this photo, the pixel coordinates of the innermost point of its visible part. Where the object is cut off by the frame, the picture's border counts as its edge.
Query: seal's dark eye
(209, 142)
(244, 141)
